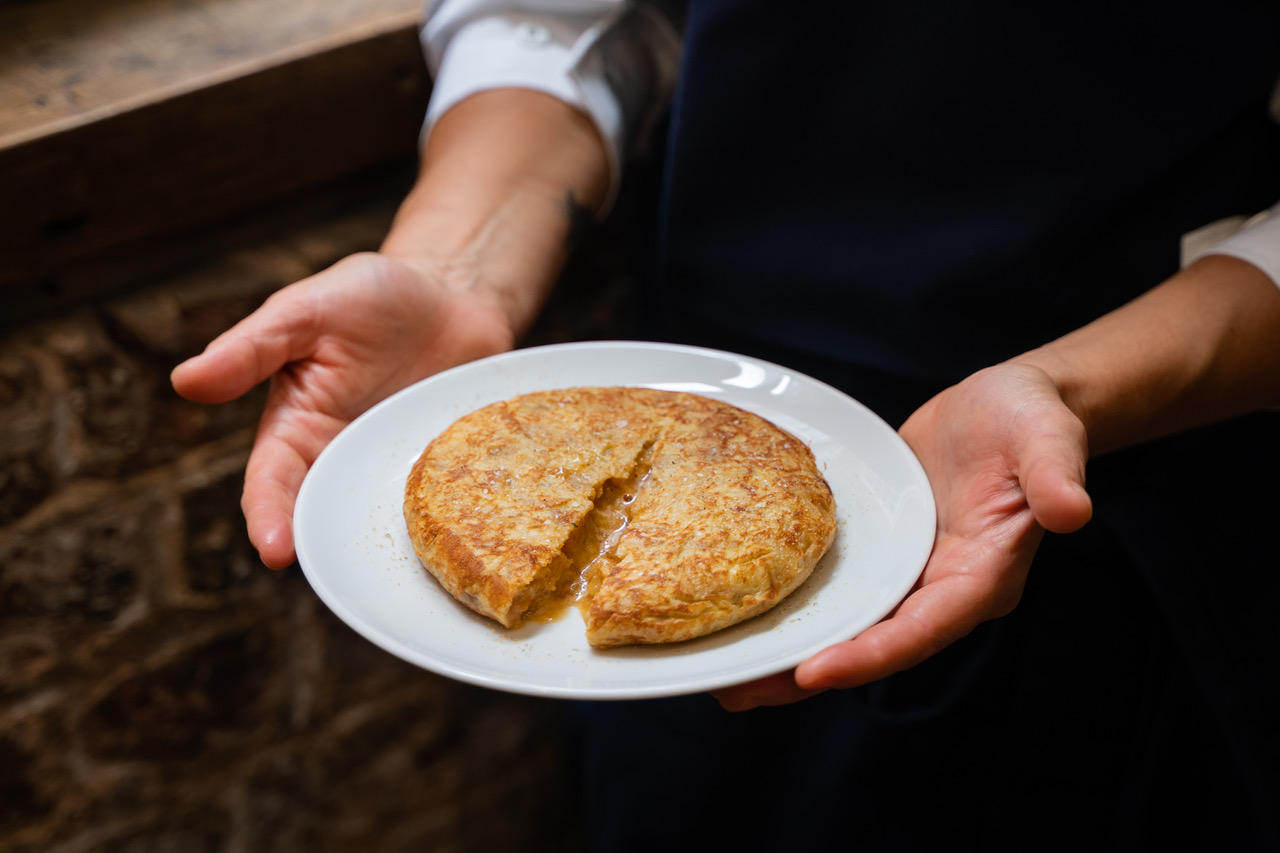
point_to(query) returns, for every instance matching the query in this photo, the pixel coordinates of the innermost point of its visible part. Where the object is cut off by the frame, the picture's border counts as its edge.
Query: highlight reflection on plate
(353, 547)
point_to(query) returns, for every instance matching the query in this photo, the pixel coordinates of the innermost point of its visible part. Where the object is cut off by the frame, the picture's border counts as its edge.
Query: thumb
(248, 353)
(1052, 478)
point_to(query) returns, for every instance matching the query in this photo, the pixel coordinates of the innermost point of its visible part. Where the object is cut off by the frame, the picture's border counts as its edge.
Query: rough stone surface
(159, 689)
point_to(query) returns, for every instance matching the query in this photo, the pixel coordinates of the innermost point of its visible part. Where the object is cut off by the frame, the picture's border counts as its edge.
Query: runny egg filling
(575, 575)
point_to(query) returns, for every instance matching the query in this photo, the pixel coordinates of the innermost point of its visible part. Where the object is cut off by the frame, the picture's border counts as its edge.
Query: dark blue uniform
(891, 195)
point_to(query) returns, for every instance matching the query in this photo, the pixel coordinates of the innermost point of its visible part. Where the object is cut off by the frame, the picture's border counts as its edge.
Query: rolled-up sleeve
(616, 61)
(1257, 241)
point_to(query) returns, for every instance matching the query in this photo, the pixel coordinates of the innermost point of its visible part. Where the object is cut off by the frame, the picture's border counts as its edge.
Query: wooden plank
(189, 144)
(65, 63)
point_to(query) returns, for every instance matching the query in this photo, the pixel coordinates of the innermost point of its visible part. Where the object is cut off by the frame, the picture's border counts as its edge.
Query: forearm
(1202, 347)
(504, 177)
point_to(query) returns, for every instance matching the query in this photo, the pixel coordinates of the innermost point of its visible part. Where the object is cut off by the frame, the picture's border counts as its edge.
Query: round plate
(354, 549)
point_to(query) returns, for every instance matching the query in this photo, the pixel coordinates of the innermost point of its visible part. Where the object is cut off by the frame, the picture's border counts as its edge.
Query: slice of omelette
(665, 515)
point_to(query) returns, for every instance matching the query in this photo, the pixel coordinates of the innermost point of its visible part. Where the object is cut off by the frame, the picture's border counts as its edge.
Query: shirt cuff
(1255, 240)
(617, 66)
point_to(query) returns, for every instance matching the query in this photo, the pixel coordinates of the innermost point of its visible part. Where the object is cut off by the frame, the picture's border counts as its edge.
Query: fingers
(272, 479)
(965, 583)
(779, 689)
(935, 615)
(233, 363)
(898, 643)
(880, 651)
(249, 352)
(289, 439)
(931, 618)
(1007, 459)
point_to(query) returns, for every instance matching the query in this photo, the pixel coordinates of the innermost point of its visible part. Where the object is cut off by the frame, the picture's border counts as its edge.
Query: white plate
(355, 551)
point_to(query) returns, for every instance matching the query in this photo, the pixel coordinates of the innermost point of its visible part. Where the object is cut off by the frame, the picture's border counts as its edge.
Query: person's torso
(925, 188)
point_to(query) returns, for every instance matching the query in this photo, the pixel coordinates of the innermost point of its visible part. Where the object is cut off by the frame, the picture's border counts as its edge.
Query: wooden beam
(72, 62)
(208, 113)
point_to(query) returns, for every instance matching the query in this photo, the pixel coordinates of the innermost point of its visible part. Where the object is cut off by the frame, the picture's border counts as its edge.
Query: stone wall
(160, 690)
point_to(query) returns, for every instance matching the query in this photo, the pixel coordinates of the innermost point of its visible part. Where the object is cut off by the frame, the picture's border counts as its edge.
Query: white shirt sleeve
(616, 61)
(1256, 240)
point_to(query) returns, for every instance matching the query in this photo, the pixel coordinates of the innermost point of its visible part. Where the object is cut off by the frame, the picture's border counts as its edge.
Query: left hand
(1006, 459)
(333, 345)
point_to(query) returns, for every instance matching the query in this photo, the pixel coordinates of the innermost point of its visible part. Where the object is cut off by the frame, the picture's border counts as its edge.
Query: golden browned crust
(721, 513)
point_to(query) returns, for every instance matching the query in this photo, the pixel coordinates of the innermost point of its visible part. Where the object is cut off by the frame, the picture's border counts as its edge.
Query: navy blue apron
(889, 196)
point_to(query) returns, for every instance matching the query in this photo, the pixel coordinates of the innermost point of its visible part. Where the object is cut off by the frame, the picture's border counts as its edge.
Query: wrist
(507, 178)
(1200, 347)
(1066, 375)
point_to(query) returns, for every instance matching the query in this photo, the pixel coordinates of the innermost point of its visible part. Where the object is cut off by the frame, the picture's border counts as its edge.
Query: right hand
(472, 254)
(333, 345)
(1006, 458)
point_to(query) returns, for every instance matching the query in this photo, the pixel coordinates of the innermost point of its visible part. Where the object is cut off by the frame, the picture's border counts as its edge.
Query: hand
(1006, 459)
(333, 345)
(473, 252)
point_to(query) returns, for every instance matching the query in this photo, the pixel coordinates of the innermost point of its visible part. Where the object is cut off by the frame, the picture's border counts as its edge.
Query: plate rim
(680, 686)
